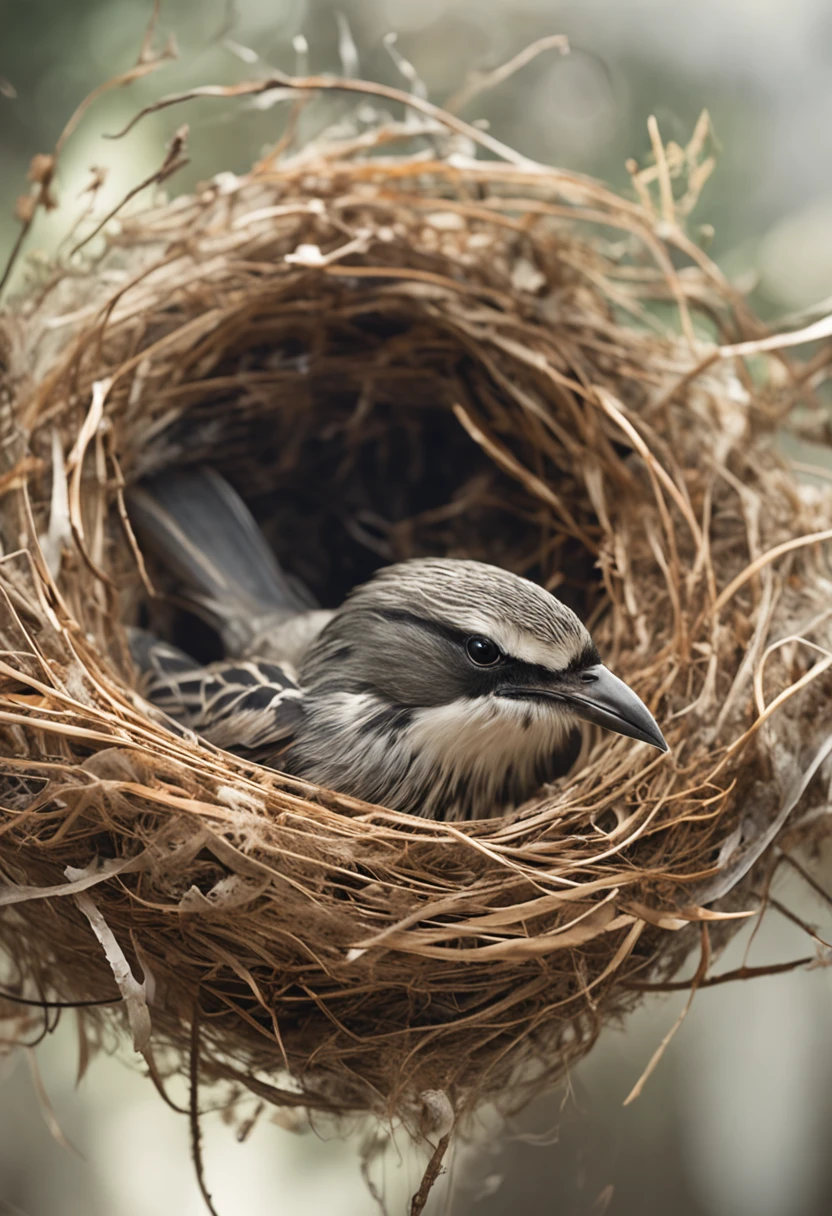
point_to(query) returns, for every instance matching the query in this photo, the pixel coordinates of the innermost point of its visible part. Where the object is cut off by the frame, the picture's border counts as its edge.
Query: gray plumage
(441, 687)
(200, 528)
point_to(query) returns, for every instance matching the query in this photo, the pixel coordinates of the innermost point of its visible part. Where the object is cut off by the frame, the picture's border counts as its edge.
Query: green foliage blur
(765, 81)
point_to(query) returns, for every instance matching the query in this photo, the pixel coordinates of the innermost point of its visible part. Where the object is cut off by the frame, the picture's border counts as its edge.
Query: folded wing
(252, 708)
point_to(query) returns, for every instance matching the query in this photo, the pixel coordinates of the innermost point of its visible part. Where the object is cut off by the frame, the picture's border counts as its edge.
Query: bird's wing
(200, 528)
(246, 707)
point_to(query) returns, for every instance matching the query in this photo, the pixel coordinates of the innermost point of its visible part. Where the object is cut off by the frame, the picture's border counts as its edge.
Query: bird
(442, 687)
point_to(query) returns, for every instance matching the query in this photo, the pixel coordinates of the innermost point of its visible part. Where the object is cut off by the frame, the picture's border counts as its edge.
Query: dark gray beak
(596, 695)
(602, 698)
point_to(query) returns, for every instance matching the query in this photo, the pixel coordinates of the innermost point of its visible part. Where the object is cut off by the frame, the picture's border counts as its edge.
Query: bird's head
(440, 632)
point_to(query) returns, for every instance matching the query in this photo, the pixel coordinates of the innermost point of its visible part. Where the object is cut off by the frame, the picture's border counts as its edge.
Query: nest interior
(389, 356)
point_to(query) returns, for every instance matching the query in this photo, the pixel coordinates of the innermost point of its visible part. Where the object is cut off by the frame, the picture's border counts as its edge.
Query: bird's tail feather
(198, 525)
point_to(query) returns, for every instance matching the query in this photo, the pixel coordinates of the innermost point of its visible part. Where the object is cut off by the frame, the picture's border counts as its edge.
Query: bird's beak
(596, 695)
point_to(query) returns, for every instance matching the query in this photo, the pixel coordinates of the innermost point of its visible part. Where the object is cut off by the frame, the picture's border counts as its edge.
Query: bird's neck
(467, 759)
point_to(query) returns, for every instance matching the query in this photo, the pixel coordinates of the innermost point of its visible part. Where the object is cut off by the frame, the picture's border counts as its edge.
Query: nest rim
(456, 935)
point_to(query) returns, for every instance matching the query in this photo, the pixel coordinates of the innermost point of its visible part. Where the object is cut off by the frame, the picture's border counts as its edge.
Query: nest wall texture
(394, 356)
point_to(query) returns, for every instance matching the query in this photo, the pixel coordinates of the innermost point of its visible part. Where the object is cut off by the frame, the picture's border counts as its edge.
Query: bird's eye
(483, 651)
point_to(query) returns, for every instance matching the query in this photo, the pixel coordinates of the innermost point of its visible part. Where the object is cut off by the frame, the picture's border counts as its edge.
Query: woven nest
(398, 351)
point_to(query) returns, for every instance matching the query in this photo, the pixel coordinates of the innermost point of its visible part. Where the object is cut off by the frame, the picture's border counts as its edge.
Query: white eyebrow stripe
(554, 655)
(518, 644)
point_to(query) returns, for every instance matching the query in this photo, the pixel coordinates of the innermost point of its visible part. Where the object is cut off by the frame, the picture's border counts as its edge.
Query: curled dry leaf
(133, 992)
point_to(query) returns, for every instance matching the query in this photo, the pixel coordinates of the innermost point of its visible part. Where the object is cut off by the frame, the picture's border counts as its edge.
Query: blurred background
(737, 1118)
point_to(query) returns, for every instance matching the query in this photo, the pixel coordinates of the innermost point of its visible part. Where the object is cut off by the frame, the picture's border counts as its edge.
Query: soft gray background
(737, 1120)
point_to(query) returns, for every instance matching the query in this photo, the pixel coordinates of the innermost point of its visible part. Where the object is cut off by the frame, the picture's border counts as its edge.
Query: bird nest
(393, 348)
